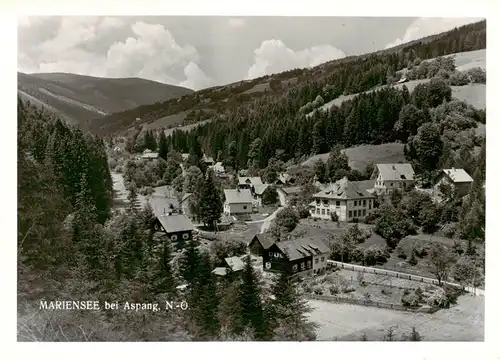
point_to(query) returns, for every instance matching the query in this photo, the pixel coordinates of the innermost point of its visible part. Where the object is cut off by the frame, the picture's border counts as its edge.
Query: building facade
(302, 257)
(457, 179)
(343, 198)
(238, 201)
(389, 177)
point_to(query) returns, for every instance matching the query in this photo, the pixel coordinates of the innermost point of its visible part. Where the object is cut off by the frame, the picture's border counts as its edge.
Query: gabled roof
(301, 248)
(457, 175)
(218, 167)
(291, 190)
(285, 177)
(175, 223)
(221, 271)
(238, 196)
(163, 205)
(260, 188)
(235, 263)
(150, 155)
(208, 159)
(395, 172)
(265, 240)
(242, 180)
(343, 189)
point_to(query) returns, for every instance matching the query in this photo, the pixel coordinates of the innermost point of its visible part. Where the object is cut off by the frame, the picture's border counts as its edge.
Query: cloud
(195, 77)
(274, 56)
(236, 22)
(423, 27)
(151, 52)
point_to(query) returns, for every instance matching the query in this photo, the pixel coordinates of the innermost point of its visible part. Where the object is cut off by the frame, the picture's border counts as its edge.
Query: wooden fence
(331, 298)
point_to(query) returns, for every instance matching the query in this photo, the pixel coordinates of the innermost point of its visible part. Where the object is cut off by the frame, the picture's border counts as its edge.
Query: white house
(238, 201)
(345, 199)
(149, 155)
(287, 193)
(458, 179)
(392, 176)
(245, 182)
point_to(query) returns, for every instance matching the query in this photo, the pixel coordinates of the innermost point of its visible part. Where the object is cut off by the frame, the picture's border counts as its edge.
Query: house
(218, 168)
(177, 227)
(288, 193)
(162, 205)
(238, 201)
(392, 176)
(258, 193)
(149, 155)
(305, 256)
(248, 182)
(285, 179)
(343, 198)
(260, 243)
(458, 179)
(230, 265)
(208, 160)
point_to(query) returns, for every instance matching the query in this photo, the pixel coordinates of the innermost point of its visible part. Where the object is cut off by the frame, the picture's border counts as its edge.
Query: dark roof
(343, 189)
(291, 190)
(265, 240)
(175, 223)
(300, 248)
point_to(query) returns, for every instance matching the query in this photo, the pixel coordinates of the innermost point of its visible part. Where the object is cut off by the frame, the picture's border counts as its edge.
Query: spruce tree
(211, 205)
(189, 264)
(163, 280)
(162, 145)
(252, 313)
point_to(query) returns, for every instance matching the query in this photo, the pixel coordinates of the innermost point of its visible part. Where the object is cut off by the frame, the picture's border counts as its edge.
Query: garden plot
(355, 286)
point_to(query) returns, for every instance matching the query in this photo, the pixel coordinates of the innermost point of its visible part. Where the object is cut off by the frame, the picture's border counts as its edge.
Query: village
(308, 250)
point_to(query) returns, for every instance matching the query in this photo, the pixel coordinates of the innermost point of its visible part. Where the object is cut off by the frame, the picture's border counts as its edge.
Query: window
(268, 265)
(355, 203)
(337, 203)
(322, 259)
(309, 264)
(185, 236)
(173, 237)
(369, 204)
(317, 201)
(355, 213)
(295, 268)
(391, 184)
(325, 202)
(316, 260)
(318, 211)
(364, 202)
(327, 211)
(322, 211)
(244, 207)
(350, 213)
(302, 266)
(364, 212)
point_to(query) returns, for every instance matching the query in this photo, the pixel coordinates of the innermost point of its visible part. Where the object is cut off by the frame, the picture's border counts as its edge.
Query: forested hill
(296, 87)
(79, 98)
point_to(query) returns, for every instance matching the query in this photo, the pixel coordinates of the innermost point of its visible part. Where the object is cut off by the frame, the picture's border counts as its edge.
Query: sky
(203, 51)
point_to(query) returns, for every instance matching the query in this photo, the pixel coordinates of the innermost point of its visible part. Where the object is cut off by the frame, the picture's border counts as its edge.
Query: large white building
(344, 198)
(392, 176)
(238, 201)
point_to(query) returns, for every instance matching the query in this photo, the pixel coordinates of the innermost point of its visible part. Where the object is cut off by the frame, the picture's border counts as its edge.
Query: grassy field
(345, 322)
(360, 156)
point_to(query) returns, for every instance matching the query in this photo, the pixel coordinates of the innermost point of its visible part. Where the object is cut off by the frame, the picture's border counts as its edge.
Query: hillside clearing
(346, 322)
(361, 156)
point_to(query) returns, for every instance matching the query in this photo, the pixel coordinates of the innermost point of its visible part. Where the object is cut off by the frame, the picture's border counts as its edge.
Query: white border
(369, 350)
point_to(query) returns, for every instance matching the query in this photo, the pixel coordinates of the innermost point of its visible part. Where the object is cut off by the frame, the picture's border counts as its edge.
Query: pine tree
(133, 199)
(189, 263)
(210, 205)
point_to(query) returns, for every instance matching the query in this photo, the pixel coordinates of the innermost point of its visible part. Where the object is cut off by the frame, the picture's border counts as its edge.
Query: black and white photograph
(238, 178)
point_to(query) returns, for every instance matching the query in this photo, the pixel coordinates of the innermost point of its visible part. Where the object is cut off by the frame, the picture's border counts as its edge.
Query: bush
(459, 78)
(303, 212)
(477, 75)
(334, 290)
(348, 289)
(318, 290)
(334, 216)
(400, 252)
(413, 259)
